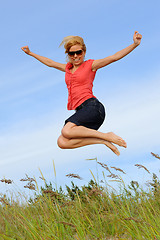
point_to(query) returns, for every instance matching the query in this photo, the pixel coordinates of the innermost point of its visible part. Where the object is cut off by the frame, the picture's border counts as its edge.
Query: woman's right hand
(26, 49)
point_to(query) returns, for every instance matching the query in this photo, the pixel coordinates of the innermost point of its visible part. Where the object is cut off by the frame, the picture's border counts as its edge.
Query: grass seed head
(114, 176)
(6, 181)
(27, 179)
(118, 169)
(104, 166)
(72, 175)
(31, 186)
(141, 166)
(155, 155)
(52, 193)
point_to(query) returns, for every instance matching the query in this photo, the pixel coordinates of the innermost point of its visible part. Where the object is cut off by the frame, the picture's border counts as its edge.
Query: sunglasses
(72, 53)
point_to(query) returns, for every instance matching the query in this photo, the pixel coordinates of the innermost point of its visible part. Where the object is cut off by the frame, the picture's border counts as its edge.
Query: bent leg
(72, 131)
(66, 143)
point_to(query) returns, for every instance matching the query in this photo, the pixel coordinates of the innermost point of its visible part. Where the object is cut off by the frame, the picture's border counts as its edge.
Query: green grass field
(87, 212)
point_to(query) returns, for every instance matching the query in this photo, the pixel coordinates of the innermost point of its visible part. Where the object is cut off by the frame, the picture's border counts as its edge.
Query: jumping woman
(81, 128)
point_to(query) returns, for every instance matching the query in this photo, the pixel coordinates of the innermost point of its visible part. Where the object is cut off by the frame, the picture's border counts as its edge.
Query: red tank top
(79, 84)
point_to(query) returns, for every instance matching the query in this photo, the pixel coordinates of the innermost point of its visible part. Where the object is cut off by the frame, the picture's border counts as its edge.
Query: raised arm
(118, 55)
(44, 60)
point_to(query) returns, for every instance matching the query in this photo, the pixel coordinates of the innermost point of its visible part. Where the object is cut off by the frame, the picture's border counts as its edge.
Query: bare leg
(76, 143)
(72, 131)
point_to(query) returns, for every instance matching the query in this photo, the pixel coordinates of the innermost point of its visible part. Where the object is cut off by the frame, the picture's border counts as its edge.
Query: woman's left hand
(137, 38)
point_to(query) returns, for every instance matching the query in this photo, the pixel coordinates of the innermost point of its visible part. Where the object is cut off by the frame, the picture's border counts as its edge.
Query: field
(83, 213)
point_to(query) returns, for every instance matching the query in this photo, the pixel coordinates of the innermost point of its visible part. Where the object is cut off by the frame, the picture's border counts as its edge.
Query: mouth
(77, 60)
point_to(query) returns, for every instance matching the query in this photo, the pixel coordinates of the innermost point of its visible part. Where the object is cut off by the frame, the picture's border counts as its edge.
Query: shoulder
(89, 62)
(68, 66)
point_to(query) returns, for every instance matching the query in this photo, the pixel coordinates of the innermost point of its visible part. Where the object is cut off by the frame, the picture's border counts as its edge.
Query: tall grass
(87, 212)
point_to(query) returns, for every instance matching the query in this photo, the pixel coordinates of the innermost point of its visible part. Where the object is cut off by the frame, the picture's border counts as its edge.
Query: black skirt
(90, 114)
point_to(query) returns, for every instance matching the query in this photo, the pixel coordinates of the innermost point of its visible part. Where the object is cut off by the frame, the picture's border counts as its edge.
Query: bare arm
(48, 62)
(117, 56)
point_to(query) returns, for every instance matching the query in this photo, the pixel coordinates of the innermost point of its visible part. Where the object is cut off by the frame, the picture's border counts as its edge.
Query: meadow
(92, 211)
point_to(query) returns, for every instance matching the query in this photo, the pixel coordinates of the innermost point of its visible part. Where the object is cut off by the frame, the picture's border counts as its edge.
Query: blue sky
(33, 97)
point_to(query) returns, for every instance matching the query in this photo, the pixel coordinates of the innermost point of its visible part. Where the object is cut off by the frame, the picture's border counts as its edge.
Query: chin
(78, 63)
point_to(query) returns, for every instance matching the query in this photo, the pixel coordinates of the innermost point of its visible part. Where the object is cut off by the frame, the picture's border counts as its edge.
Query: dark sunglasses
(72, 53)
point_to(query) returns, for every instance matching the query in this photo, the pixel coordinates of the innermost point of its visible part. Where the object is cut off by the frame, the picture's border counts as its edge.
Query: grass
(89, 212)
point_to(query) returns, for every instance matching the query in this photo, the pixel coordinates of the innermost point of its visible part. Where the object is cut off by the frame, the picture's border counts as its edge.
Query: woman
(81, 128)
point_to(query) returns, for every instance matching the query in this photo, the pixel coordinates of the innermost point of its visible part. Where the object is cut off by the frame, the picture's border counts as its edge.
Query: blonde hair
(70, 41)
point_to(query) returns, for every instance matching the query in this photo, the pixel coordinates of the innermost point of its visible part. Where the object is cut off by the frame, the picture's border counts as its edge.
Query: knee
(61, 142)
(66, 132)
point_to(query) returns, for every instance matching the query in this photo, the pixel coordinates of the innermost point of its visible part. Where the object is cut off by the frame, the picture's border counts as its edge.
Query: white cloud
(19, 83)
(135, 114)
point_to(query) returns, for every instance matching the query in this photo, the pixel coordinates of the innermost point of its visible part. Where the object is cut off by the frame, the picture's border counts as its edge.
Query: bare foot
(111, 137)
(112, 147)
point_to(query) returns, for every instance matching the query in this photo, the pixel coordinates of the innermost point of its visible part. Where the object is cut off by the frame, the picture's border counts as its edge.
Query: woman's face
(76, 55)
